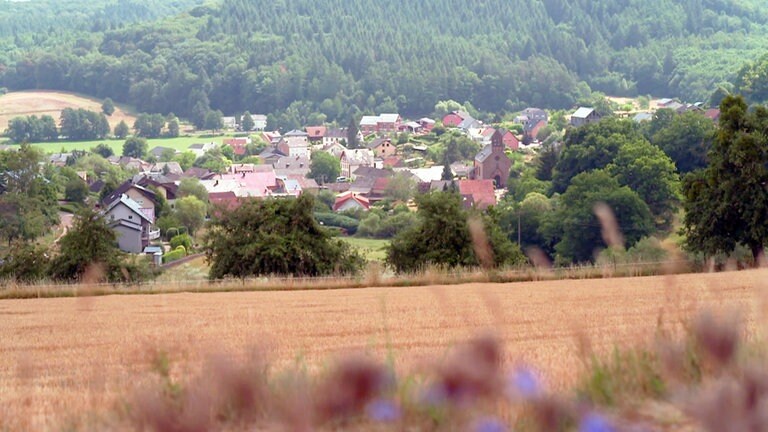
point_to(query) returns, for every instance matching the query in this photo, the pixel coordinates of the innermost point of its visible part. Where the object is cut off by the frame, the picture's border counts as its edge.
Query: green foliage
(121, 130)
(576, 228)
(529, 215)
(213, 120)
(80, 124)
(189, 186)
(276, 237)
(25, 262)
(247, 123)
(108, 107)
(185, 159)
(347, 223)
(441, 236)
(173, 127)
(454, 146)
(401, 187)
(190, 211)
(88, 243)
(324, 167)
(149, 125)
(727, 202)
(103, 150)
(76, 190)
(184, 240)
(686, 138)
(380, 224)
(32, 129)
(176, 254)
(135, 147)
(213, 160)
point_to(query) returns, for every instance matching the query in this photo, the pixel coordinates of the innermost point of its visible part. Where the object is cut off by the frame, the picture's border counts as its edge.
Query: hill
(310, 61)
(41, 102)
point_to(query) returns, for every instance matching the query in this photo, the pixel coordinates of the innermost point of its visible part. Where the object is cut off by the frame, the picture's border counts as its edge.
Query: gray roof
(583, 112)
(297, 133)
(131, 204)
(643, 116)
(484, 153)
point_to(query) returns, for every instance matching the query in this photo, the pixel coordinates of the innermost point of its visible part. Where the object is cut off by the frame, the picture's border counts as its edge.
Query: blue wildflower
(489, 424)
(383, 410)
(595, 423)
(524, 383)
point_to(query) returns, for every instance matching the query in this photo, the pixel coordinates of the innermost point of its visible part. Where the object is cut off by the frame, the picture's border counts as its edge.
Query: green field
(180, 143)
(371, 249)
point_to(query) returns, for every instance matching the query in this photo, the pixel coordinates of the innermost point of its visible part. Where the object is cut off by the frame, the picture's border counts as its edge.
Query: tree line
(309, 62)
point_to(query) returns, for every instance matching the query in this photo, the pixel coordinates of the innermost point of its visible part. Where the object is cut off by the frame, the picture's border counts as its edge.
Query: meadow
(69, 362)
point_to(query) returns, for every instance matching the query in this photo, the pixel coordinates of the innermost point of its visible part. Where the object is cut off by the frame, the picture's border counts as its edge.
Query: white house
(200, 149)
(131, 225)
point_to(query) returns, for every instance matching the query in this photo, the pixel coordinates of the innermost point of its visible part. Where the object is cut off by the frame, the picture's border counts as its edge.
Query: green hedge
(337, 220)
(174, 255)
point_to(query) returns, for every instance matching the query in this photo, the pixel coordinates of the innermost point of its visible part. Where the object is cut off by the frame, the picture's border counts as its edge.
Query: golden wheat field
(65, 360)
(44, 102)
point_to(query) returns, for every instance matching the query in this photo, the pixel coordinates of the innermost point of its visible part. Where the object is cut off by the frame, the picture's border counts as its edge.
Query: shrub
(337, 220)
(184, 240)
(25, 263)
(175, 255)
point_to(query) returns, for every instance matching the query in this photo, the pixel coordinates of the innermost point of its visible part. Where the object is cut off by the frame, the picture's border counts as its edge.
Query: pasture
(43, 102)
(65, 360)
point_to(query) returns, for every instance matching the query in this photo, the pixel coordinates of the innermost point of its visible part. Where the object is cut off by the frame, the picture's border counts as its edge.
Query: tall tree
(247, 122)
(108, 107)
(324, 167)
(727, 202)
(122, 130)
(135, 147)
(352, 130)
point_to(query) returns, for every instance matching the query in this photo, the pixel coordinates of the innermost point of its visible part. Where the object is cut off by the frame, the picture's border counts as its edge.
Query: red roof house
(316, 133)
(350, 201)
(477, 193)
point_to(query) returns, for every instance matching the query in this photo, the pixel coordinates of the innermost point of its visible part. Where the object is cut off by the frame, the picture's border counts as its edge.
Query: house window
(130, 217)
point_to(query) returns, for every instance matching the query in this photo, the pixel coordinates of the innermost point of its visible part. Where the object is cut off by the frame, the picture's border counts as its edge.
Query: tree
(726, 203)
(190, 211)
(214, 120)
(89, 244)
(135, 147)
(190, 186)
(76, 190)
(103, 150)
(149, 125)
(122, 130)
(185, 159)
(578, 228)
(324, 167)
(687, 139)
(275, 237)
(401, 187)
(247, 122)
(108, 107)
(528, 215)
(447, 173)
(173, 127)
(352, 131)
(442, 237)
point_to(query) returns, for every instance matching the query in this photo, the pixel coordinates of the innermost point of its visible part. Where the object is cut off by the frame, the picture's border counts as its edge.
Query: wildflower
(383, 410)
(595, 423)
(489, 424)
(524, 383)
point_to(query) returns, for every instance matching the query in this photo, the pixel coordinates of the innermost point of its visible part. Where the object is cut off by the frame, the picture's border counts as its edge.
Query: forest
(314, 61)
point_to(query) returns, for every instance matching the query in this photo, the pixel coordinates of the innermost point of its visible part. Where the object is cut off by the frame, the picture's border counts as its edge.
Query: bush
(183, 240)
(25, 263)
(174, 255)
(336, 220)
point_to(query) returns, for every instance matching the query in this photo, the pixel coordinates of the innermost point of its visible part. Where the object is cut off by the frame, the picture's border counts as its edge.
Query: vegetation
(275, 237)
(324, 168)
(236, 55)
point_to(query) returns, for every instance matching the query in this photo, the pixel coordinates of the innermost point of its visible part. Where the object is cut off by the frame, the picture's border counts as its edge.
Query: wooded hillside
(325, 60)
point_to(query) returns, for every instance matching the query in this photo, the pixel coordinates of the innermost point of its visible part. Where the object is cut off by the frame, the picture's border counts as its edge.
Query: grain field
(65, 359)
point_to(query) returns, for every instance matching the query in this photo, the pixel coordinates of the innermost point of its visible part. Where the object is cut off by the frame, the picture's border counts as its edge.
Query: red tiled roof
(380, 185)
(481, 192)
(346, 196)
(224, 200)
(316, 131)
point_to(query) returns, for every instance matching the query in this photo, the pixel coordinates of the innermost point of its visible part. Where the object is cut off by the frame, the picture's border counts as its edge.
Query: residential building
(294, 143)
(199, 149)
(158, 151)
(479, 194)
(583, 116)
(131, 224)
(454, 118)
(145, 199)
(337, 136)
(492, 162)
(382, 147)
(229, 122)
(388, 123)
(316, 134)
(351, 201)
(351, 160)
(368, 124)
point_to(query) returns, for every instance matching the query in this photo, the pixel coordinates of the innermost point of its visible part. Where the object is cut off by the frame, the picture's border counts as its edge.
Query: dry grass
(62, 359)
(43, 102)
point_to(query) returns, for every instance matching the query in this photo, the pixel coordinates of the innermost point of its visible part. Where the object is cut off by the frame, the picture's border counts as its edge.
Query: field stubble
(65, 359)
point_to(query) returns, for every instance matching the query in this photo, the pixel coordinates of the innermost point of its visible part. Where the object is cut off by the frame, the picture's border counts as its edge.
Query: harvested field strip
(72, 356)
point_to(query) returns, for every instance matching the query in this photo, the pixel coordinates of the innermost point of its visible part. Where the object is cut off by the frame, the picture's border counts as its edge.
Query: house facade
(351, 160)
(131, 225)
(294, 143)
(492, 162)
(584, 116)
(382, 147)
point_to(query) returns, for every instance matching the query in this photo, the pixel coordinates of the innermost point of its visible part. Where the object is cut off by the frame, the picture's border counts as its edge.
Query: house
(260, 183)
(510, 139)
(229, 122)
(242, 168)
(285, 186)
(388, 123)
(239, 145)
(531, 130)
(713, 114)
(259, 122)
(479, 194)
(454, 118)
(664, 103)
(393, 162)
(270, 155)
(351, 160)
(337, 136)
(132, 163)
(167, 168)
(583, 116)
(316, 134)
(200, 149)
(167, 189)
(334, 149)
(642, 117)
(460, 170)
(424, 175)
(298, 165)
(427, 124)
(532, 115)
(145, 199)
(351, 201)
(271, 138)
(59, 159)
(306, 184)
(294, 143)
(131, 224)
(492, 162)
(159, 152)
(382, 147)
(410, 127)
(368, 124)
(199, 173)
